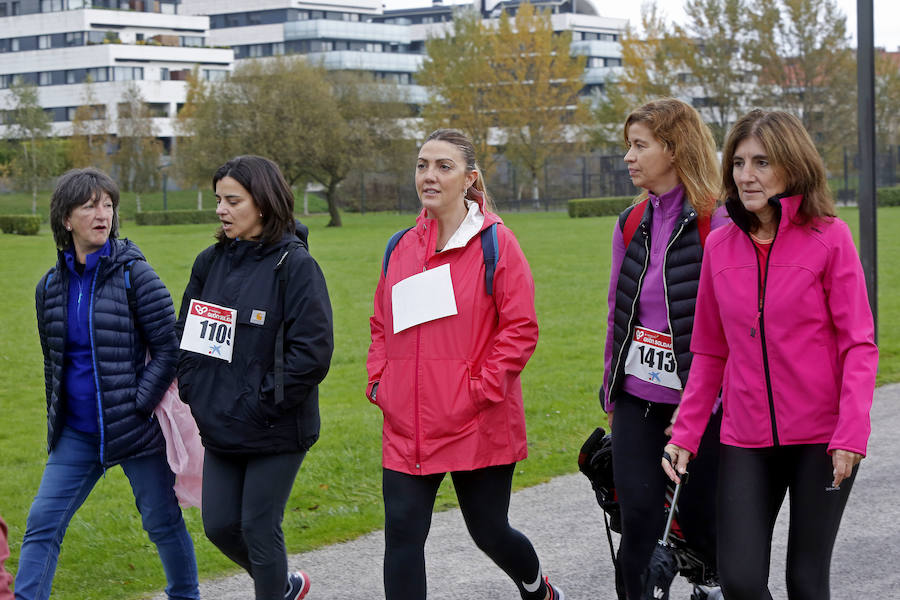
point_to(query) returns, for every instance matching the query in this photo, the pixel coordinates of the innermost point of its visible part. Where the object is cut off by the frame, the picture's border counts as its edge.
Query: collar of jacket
(785, 205)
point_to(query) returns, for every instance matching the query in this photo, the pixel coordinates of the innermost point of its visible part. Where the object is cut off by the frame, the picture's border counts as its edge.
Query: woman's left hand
(843, 461)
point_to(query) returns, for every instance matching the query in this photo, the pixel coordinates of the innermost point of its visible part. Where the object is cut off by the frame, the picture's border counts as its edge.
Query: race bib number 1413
(209, 330)
(651, 359)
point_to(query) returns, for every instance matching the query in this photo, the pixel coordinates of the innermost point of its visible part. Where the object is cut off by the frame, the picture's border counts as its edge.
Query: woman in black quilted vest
(656, 253)
(101, 392)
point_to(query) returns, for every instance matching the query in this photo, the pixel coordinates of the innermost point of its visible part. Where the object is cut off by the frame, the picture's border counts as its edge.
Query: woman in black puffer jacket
(100, 393)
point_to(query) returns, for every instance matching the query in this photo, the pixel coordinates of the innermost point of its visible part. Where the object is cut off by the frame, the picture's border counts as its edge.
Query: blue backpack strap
(392, 243)
(129, 290)
(491, 251)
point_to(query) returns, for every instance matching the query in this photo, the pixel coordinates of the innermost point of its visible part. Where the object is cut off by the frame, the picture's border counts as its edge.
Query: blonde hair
(791, 152)
(683, 133)
(461, 141)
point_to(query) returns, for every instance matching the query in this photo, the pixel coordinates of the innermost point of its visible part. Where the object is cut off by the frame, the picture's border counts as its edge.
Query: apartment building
(362, 35)
(61, 45)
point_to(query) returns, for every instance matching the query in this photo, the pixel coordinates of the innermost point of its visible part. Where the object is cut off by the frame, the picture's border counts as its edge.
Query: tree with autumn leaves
(734, 55)
(511, 85)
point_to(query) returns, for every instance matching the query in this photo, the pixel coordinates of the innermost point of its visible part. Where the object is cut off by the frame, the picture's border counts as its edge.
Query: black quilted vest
(682, 277)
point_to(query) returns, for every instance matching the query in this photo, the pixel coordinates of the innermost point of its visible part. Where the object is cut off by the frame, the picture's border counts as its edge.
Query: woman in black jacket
(100, 392)
(256, 339)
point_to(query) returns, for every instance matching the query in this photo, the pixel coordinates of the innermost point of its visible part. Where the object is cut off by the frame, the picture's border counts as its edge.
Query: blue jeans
(72, 470)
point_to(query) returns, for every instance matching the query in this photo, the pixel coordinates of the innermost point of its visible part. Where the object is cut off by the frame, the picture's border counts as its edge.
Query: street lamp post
(865, 65)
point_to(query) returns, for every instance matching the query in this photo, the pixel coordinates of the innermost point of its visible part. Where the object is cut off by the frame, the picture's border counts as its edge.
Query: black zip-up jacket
(127, 389)
(234, 403)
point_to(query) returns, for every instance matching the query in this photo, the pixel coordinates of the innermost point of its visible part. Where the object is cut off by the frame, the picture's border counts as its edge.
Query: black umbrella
(663, 563)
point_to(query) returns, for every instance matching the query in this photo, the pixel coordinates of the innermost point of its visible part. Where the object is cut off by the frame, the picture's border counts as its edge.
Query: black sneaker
(298, 586)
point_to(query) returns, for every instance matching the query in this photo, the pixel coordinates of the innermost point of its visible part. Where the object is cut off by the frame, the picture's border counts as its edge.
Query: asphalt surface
(564, 523)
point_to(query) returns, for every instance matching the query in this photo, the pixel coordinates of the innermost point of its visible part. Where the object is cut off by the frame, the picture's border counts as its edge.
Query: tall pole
(865, 65)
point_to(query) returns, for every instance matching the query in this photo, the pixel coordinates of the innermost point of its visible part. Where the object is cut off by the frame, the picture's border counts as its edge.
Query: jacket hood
(260, 250)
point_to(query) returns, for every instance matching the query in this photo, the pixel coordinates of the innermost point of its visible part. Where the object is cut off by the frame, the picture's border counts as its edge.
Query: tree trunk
(535, 190)
(34, 197)
(305, 202)
(199, 199)
(331, 197)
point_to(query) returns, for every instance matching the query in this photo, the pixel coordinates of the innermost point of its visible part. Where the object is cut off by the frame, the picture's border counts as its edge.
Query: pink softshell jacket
(801, 370)
(449, 389)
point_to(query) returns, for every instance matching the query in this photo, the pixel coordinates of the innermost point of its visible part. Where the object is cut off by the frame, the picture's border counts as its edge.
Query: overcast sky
(887, 15)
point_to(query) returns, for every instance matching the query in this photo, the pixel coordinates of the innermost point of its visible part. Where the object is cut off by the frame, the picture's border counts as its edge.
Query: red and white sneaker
(555, 592)
(298, 586)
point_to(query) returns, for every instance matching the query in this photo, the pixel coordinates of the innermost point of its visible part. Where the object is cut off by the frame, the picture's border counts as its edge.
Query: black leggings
(752, 485)
(483, 496)
(243, 506)
(638, 440)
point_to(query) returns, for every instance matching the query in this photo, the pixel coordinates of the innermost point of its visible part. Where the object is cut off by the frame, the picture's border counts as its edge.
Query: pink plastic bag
(184, 450)
(5, 578)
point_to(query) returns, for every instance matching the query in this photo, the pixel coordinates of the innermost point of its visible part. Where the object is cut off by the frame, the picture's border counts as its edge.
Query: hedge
(21, 224)
(599, 207)
(888, 196)
(175, 217)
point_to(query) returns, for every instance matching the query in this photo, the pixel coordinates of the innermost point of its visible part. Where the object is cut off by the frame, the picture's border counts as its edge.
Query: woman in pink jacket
(783, 326)
(454, 325)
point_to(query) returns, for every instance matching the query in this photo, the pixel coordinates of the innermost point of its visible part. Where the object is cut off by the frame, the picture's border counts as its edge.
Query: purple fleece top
(652, 310)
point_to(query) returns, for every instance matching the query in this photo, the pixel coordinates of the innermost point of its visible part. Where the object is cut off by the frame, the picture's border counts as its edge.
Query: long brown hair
(791, 152)
(683, 133)
(462, 141)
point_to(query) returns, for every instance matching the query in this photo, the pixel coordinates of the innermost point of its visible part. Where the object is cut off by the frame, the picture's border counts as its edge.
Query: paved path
(564, 522)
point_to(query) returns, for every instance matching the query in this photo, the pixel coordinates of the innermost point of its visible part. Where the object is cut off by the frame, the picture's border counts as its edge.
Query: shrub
(175, 217)
(888, 196)
(21, 224)
(599, 207)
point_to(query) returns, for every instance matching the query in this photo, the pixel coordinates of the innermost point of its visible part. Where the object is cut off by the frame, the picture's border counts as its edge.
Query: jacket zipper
(416, 379)
(629, 330)
(96, 366)
(666, 290)
(763, 279)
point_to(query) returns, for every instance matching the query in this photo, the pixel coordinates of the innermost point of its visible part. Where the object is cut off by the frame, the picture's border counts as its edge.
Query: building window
(214, 74)
(128, 73)
(164, 74)
(5, 81)
(613, 62)
(44, 78)
(98, 74)
(193, 41)
(14, 44)
(278, 49)
(2, 9)
(75, 38)
(43, 42)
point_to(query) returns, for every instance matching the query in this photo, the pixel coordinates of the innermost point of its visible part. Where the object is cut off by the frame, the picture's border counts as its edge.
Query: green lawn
(337, 495)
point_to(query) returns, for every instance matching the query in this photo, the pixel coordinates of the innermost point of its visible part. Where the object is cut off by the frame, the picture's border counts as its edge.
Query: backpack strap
(633, 220)
(490, 249)
(392, 243)
(703, 227)
(279, 337)
(129, 289)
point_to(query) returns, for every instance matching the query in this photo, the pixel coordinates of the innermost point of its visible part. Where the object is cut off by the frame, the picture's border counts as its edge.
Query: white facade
(153, 51)
(360, 35)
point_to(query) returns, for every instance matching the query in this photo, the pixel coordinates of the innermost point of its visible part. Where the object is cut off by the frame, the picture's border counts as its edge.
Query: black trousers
(752, 486)
(483, 496)
(638, 439)
(243, 506)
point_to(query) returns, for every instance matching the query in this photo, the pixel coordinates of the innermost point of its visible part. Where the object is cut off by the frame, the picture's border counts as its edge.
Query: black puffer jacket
(234, 403)
(128, 389)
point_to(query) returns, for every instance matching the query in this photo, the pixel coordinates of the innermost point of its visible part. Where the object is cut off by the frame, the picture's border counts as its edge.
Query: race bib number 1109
(209, 330)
